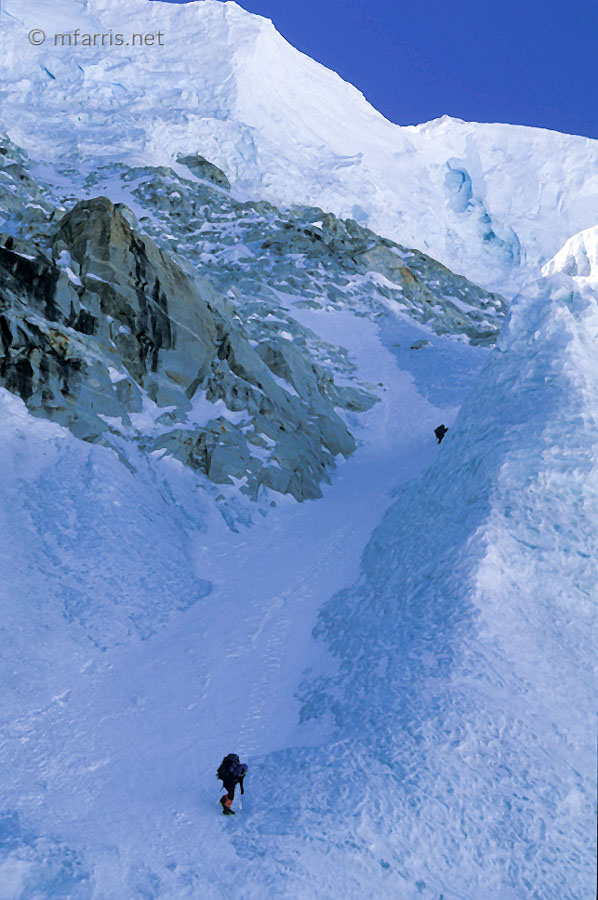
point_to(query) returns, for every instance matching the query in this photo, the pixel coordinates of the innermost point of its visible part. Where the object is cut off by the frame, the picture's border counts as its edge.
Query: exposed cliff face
(179, 327)
(254, 246)
(104, 324)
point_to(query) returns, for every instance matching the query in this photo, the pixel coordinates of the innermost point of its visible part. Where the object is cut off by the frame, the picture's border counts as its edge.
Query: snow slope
(145, 640)
(463, 761)
(492, 202)
(432, 742)
(412, 688)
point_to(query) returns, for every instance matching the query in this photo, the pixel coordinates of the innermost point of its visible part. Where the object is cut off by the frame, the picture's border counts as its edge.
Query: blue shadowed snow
(465, 650)
(429, 739)
(443, 369)
(128, 700)
(463, 200)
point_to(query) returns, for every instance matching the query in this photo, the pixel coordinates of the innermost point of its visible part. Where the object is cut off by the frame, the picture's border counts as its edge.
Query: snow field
(407, 664)
(464, 689)
(428, 739)
(158, 641)
(493, 202)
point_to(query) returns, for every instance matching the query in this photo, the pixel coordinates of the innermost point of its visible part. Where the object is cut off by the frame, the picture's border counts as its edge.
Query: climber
(231, 773)
(440, 432)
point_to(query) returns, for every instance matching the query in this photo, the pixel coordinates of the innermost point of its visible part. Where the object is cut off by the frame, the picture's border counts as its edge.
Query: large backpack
(228, 767)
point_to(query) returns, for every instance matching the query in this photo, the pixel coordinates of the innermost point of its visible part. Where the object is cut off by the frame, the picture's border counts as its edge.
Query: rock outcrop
(326, 260)
(107, 335)
(179, 327)
(205, 170)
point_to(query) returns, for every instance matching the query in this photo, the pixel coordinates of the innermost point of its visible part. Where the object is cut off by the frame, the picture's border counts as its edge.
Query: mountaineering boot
(226, 804)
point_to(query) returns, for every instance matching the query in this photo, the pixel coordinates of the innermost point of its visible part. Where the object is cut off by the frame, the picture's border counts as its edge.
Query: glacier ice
(407, 662)
(285, 128)
(462, 761)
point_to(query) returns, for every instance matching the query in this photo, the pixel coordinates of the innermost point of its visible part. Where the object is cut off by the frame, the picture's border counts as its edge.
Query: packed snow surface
(156, 640)
(493, 202)
(407, 665)
(430, 738)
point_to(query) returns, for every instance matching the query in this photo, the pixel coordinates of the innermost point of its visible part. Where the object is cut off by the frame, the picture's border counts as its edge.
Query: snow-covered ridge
(465, 650)
(493, 202)
(435, 741)
(447, 754)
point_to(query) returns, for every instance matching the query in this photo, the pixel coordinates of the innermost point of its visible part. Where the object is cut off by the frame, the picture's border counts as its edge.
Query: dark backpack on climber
(231, 773)
(227, 768)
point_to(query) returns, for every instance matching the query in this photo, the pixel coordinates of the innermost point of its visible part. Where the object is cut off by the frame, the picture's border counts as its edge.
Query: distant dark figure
(231, 773)
(440, 432)
(9, 243)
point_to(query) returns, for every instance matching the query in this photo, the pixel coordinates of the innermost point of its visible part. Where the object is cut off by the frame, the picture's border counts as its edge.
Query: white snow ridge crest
(494, 202)
(226, 522)
(466, 662)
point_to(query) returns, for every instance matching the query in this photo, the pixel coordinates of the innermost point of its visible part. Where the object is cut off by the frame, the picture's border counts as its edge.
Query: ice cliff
(493, 202)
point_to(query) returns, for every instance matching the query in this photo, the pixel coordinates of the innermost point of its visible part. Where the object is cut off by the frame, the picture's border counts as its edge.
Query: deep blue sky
(528, 62)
